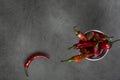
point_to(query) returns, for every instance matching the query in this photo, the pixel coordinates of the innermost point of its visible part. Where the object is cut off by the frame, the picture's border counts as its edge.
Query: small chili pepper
(80, 35)
(105, 37)
(107, 44)
(31, 58)
(96, 49)
(82, 45)
(96, 36)
(78, 58)
(90, 35)
(101, 37)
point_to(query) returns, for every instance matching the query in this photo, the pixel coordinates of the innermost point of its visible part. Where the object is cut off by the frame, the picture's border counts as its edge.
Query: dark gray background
(27, 26)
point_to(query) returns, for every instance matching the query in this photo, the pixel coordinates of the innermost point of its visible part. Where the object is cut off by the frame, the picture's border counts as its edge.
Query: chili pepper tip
(26, 71)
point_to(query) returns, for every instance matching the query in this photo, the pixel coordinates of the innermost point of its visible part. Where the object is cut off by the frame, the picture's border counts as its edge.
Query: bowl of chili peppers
(98, 37)
(93, 45)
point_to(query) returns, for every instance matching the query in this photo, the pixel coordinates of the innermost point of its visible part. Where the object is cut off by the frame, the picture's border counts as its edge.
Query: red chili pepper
(96, 49)
(80, 35)
(78, 58)
(101, 37)
(96, 36)
(82, 45)
(31, 58)
(107, 44)
(105, 37)
(90, 35)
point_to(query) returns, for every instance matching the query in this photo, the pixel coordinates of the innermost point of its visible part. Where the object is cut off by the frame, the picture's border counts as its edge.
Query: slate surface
(27, 26)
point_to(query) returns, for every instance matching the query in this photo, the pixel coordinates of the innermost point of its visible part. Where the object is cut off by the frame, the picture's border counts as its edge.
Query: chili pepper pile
(90, 44)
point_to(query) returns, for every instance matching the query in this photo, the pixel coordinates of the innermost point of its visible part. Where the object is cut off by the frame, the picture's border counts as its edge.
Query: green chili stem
(115, 41)
(75, 30)
(89, 36)
(96, 46)
(85, 51)
(72, 47)
(68, 60)
(109, 36)
(26, 71)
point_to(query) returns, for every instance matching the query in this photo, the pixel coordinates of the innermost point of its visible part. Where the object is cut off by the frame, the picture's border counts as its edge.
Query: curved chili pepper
(78, 58)
(107, 44)
(82, 45)
(80, 35)
(31, 58)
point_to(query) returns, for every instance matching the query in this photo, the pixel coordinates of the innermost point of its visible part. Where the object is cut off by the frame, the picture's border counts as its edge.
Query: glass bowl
(102, 54)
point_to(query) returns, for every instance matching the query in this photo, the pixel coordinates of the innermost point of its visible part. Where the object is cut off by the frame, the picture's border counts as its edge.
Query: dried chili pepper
(107, 44)
(78, 58)
(31, 58)
(80, 35)
(82, 45)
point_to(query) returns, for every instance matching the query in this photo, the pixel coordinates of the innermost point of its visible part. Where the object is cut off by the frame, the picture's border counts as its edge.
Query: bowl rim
(105, 52)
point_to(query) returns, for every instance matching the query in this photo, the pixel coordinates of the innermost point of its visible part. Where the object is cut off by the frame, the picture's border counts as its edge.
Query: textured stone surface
(27, 26)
